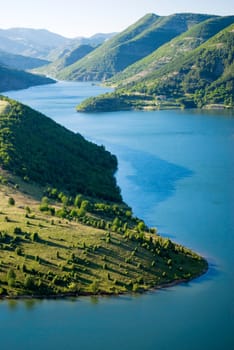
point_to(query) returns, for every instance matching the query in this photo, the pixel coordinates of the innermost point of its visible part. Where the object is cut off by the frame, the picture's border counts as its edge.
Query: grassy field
(44, 255)
(4, 107)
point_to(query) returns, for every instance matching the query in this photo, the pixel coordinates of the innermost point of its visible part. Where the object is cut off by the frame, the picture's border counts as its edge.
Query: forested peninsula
(64, 228)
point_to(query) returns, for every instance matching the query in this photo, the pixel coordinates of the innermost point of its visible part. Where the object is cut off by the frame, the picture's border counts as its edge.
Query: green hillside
(42, 151)
(204, 75)
(67, 59)
(177, 47)
(14, 79)
(20, 62)
(59, 235)
(134, 43)
(201, 77)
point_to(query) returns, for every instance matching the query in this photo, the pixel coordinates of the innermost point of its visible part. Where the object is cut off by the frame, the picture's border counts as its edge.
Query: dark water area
(176, 172)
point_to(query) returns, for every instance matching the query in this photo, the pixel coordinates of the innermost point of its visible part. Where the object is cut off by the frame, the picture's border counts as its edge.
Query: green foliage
(29, 148)
(78, 200)
(127, 47)
(14, 79)
(193, 76)
(11, 274)
(19, 61)
(29, 283)
(188, 41)
(66, 60)
(44, 204)
(11, 201)
(35, 237)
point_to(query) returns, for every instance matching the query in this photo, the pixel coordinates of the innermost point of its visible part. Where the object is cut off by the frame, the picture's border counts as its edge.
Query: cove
(176, 171)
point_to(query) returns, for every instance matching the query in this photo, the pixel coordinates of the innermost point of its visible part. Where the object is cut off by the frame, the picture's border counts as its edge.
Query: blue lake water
(176, 171)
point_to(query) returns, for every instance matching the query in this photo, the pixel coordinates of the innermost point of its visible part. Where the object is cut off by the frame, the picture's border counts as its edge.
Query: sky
(72, 18)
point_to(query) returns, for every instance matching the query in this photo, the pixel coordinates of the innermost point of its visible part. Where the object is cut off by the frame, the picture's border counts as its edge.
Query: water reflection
(147, 180)
(12, 304)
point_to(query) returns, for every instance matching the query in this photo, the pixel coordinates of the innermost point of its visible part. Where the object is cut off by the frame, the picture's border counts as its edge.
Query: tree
(29, 283)
(11, 201)
(141, 226)
(78, 200)
(11, 276)
(44, 204)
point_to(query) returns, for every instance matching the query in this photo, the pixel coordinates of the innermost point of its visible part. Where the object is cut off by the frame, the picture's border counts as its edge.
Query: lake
(176, 172)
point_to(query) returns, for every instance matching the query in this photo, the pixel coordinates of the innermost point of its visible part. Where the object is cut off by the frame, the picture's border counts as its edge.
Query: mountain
(68, 58)
(30, 42)
(199, 78)
(94, 41)
(77, 238)
(127, 47)
(170, 51)
(14, 79)
(20, 62)
(205, 74)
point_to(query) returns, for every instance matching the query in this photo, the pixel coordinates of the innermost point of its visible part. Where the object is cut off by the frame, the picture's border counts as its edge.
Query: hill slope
(205, 75)
(67, 59)
(13, 79)
(201, 77)
(134, 43)
(66, 245)
(20, 62)
(46, 153)
(177, 47)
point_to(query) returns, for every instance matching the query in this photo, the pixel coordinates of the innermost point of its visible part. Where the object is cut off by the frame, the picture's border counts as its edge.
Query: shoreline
(102, 294)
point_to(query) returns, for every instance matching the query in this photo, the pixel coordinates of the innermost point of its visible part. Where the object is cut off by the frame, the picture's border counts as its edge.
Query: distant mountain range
(30, 42)
(181, 60)
(26, 49)
(41, 43)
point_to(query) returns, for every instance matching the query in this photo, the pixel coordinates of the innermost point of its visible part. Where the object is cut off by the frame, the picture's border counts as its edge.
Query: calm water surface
(176, 171)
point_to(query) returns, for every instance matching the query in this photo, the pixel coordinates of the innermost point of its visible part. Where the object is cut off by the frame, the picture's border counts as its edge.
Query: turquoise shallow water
(176, 171)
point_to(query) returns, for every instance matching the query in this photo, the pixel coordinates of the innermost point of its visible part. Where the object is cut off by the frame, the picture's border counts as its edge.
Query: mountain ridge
(176, 47)
(201, 77)
(134, 43)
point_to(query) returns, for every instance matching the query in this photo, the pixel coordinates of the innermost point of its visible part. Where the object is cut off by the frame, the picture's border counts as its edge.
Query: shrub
(34, 237)
(18, 251)
(135, 287)
(28, 210)
(11, 201)
(94, 287)
(29, 283)
(11, 282)
(11, 274)
(44, 206)
(17, 231)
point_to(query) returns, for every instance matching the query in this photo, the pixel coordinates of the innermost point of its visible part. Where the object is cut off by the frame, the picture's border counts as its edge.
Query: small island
(64, 228)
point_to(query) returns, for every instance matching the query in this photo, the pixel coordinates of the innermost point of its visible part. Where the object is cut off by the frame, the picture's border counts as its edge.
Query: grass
(54, 256)
(4, 107)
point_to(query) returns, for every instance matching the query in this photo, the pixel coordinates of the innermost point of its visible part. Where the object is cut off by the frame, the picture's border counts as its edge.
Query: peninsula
(64, 228)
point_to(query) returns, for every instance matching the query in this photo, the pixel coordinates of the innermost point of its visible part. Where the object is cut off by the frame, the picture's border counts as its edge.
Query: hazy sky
(86, 17)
